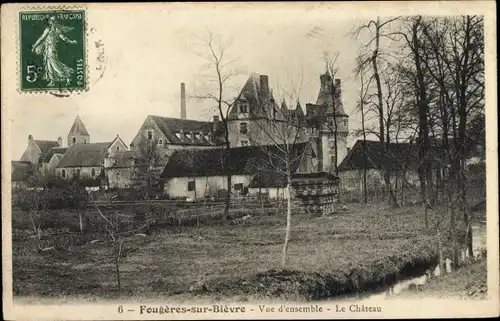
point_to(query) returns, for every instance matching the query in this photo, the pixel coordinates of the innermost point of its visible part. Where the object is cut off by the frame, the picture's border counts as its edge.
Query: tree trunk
(81, 221)
(288, 220)
(465, 209)
(380, 108)
(453, 221)
(117, 265)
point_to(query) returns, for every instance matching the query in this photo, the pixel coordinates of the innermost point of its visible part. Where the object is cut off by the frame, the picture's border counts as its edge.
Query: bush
(54, 198)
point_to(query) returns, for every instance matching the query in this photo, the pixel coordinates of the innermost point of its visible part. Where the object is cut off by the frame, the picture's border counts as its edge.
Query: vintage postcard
(301, 160)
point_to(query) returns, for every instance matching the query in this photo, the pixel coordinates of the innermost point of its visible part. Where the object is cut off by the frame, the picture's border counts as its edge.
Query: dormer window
(178, 135)
(188, 135)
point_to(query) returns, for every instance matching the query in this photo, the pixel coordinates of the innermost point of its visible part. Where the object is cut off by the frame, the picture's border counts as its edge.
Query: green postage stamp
(52, 50)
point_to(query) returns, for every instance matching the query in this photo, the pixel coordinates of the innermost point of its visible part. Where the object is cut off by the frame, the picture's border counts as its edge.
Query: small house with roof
(204, 173)
(87, 160)
(37, 150)
(401, 159)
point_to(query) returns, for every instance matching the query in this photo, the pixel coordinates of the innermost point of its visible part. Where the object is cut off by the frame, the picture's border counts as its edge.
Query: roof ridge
(166, 117)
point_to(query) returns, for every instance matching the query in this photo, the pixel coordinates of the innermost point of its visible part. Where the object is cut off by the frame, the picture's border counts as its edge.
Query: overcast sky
(150, 50)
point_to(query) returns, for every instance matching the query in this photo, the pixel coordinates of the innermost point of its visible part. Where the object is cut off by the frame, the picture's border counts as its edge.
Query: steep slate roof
(52, 151)
(398, 154)
(245, 160)
(46, 145)
(268, 179)
(325, 95)
(170, 126)
(21, 170)
(78, 127)
(260, 100)
(83, 155)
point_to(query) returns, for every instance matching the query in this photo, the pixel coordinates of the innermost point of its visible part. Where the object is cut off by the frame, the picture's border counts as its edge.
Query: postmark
(52, 46)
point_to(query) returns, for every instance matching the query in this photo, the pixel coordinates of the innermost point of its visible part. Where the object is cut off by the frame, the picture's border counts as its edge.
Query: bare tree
(456, 64)
(288, 146)
(113, 228)
(371, 61)
(215, 51)
(361, 104)
(146, 168)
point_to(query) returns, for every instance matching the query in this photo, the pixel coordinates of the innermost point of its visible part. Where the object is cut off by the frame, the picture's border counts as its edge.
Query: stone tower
(78, 134)
(328, 116)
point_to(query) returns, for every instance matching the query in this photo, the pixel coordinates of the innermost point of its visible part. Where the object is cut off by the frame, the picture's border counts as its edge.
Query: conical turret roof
(78, 127)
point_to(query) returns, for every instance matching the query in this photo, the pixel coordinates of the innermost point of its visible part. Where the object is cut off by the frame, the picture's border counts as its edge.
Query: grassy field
(348, 251)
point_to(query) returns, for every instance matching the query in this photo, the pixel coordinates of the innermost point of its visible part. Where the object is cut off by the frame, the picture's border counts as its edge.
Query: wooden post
(81, 221)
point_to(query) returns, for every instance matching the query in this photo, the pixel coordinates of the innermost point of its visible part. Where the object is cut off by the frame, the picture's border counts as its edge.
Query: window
(244, 143)
(345, 122)
(160, 142)
(74, 140)
(238, 187)
(117, 173)
(243, 128)
(77, 172)
(63, 173)
(244, 108)
(92, 173)
(191, 186)
(117, 148)
(85, 141)
(150, 134)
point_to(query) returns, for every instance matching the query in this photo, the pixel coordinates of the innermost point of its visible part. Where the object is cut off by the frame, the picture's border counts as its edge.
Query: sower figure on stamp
(53, 69)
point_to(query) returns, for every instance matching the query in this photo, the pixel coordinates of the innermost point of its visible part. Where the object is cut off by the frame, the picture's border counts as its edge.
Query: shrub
(54, 198)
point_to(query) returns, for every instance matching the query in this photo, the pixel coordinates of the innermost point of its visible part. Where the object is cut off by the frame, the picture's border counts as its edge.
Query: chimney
(183, 100)
(59, 141)
(264, 86)
(30, 138)
(338, 88)
(216, 121)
